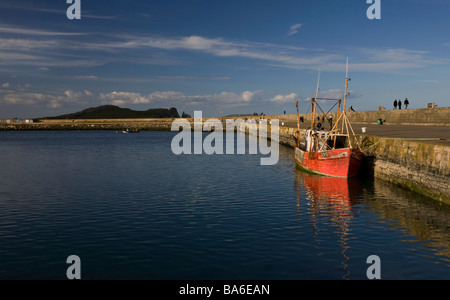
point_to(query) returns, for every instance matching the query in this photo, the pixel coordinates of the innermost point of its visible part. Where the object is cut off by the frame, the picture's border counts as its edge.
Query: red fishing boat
(329, 152)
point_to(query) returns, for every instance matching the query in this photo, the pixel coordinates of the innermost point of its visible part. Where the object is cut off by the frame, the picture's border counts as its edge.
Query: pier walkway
(439, 135)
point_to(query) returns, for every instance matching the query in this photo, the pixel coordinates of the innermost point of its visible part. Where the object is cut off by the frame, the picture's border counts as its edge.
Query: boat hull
(341, 163)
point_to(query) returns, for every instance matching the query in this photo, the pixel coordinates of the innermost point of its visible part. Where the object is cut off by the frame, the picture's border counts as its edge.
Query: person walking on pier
(406, 102)
(395, 104)
(400, 104)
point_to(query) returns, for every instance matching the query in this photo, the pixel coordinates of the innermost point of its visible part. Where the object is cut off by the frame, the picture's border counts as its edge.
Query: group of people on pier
(399, 104)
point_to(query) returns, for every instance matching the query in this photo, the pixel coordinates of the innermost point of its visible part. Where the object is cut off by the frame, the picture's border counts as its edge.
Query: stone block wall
(438, 116)
(421, 167)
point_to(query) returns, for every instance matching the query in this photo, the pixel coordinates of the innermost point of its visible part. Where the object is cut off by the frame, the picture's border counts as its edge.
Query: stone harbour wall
(437, 116)
(421, 167)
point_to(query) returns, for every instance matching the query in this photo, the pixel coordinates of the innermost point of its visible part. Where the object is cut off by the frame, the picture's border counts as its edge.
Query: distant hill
(115, 112)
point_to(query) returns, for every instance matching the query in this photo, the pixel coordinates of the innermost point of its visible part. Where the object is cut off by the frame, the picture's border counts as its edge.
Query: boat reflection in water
(343, 205)
(336, 195)
(330, 202)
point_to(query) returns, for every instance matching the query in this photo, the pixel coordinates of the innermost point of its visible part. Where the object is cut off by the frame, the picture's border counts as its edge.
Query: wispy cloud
(187, 77)
(41, 9)
(35, 32)
(429, 81)
(270, 53)
(86, 77)
(68, 49)
(368, 60)
(294, 29)
(25, 44)
(394, 60)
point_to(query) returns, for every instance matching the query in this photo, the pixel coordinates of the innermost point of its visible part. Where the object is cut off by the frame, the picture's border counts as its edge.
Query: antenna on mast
(346, 69)
(346, 86)
(318, 81)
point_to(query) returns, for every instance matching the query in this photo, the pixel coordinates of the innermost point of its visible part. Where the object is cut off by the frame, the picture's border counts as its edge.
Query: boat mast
(313, 110)
(345, 93)
(318, 81)
(298, 126)
(346, 85)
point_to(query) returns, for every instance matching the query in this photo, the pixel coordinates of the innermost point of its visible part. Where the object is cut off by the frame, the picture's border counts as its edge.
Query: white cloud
(5, 85)
(226, 99)
(199, 43)
(229, 99)
(291, 98)
(331, 94)
(123, 97)
(55, 99)
(247, 96)
(294, 29)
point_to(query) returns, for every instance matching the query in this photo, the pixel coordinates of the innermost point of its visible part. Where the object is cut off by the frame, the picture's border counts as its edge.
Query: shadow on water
(422, 217)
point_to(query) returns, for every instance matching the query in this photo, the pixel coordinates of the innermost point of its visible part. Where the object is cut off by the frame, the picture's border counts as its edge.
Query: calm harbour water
(131, 209)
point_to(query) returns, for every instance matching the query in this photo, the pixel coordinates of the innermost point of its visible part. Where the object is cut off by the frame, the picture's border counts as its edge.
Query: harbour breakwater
(421, 167)
(85, 124)
(436, 116)
(415, 165)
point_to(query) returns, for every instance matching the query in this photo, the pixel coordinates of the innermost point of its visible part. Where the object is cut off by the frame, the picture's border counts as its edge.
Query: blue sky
(221, 57)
